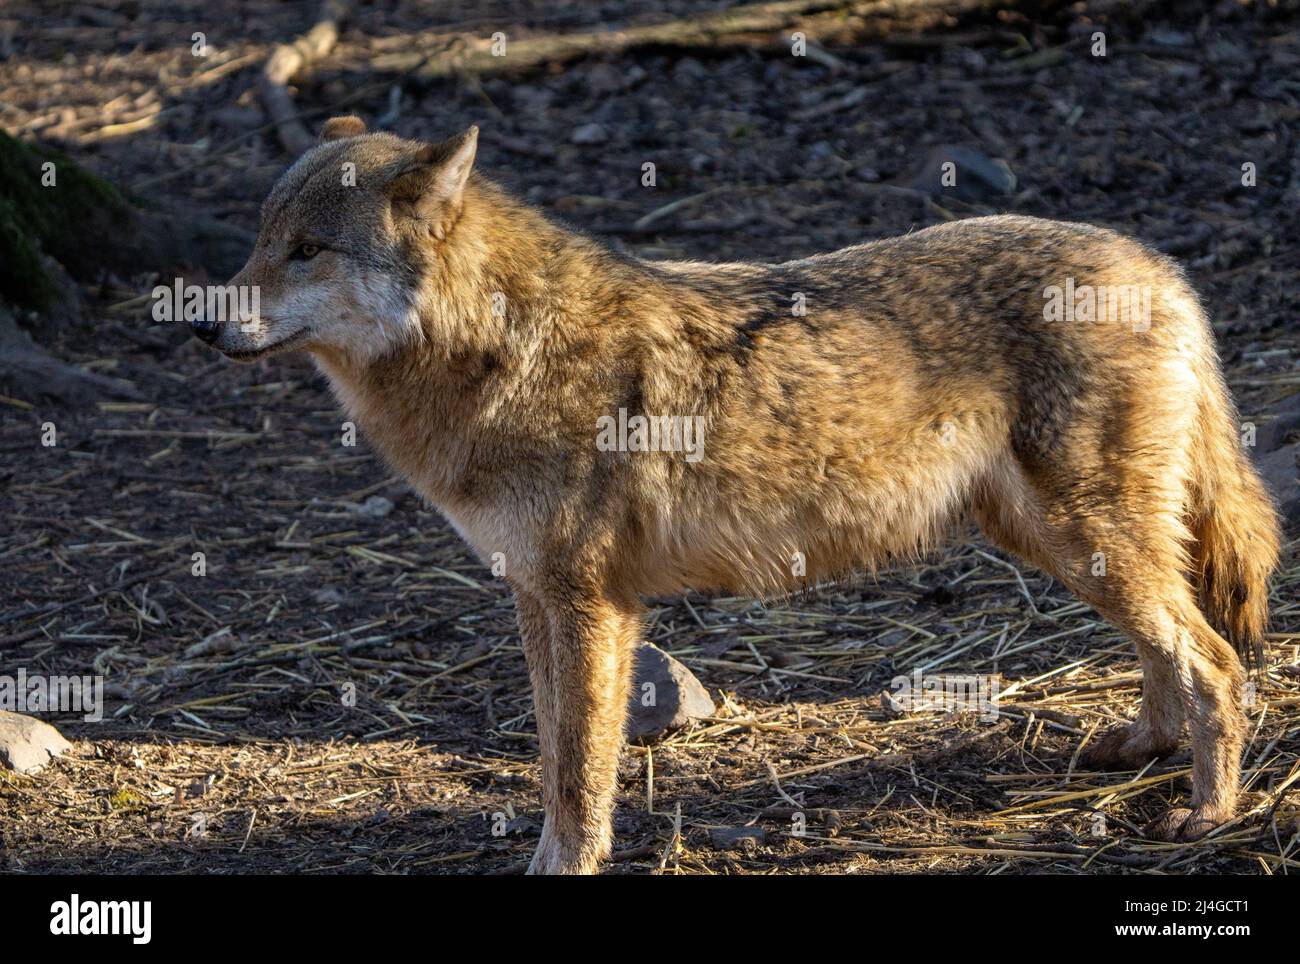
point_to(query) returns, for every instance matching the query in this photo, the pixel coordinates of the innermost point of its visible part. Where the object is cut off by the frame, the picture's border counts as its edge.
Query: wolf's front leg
(579, 653)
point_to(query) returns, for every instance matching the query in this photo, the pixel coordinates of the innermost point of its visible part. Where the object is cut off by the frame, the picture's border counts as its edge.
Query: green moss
(23, 278)
(72, 221)
(126, 799)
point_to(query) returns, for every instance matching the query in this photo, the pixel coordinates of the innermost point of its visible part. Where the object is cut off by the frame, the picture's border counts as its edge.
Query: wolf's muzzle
(205, 330)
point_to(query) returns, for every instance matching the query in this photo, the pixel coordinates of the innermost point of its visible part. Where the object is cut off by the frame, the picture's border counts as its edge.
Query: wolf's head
(346, 239)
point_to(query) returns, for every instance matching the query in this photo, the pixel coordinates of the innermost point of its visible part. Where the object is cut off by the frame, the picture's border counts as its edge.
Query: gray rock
(1170, 38)
(590, 134)
(1279, 469)
(975, 177)
(27, 744)
(665, 694)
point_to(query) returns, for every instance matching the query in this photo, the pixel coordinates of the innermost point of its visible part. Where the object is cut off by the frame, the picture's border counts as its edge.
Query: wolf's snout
(205, 329)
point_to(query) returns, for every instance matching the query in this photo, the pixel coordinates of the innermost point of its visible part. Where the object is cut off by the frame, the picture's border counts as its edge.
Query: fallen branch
(29, 371)
(763, 26)
(289, 60)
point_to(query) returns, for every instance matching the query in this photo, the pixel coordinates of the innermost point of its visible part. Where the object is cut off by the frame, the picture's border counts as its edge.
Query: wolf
(853, 409)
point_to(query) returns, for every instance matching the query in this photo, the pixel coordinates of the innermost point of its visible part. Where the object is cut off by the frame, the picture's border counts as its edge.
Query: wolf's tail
(1235, 527)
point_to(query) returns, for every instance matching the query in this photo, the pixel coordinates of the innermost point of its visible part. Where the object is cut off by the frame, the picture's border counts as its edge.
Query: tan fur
(476, 344)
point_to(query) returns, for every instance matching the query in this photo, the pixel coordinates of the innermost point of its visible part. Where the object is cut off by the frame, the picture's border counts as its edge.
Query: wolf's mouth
(256, 353)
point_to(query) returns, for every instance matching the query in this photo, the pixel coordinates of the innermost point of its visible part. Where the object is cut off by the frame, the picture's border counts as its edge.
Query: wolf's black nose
(205, 330)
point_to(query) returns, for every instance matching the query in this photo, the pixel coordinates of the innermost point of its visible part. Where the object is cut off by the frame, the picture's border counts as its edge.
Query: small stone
(524, 826)
(590, 134)
(329, 596)
(895, 637)
(219, 642)
(747, 839)
(892, 708)
(689, 71)
(1170, 38)
(27, 744)
(665, 694)
(606, 79)
(971, 176)
(375, 507)
(1222, 51)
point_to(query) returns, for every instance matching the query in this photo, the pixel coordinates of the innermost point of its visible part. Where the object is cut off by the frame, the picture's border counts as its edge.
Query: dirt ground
(343, 691)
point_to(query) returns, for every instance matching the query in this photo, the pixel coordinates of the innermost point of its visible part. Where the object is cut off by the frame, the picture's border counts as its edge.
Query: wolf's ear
(337, 128)
(432, 184)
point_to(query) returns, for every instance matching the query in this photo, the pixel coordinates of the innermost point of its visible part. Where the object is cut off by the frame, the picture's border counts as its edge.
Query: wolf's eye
(304, 252)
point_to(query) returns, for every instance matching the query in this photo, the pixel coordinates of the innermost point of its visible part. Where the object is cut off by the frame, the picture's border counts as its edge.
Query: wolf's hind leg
(1129, 566)
(1027, 534)
(579, 654)
(1191, 672)
(1211, 680)
(1185, 661)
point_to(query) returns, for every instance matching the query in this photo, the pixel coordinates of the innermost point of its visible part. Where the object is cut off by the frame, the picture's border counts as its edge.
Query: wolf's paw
(1182, 825)
(553, 857)
(1129, 746)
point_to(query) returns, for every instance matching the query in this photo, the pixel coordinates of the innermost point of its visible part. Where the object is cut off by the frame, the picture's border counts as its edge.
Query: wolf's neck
(513, 305)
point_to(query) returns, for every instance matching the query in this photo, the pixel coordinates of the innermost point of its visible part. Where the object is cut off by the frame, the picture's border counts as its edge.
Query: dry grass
(230, 744)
